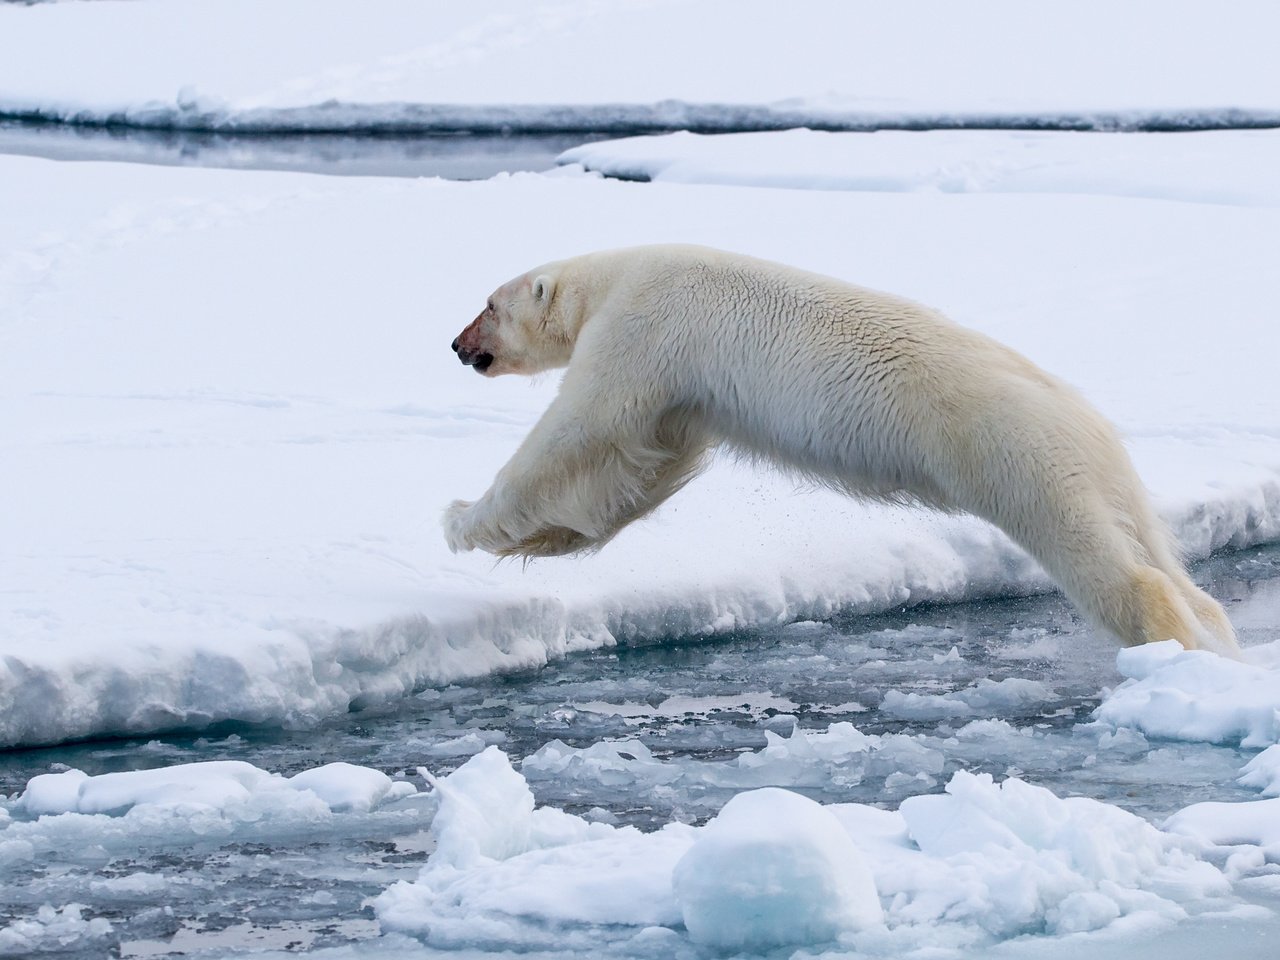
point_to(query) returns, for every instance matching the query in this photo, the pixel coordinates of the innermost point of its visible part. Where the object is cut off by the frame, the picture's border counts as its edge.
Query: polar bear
(673, 349)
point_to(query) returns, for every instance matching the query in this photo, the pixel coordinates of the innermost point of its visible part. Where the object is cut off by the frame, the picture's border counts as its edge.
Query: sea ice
(1263, 771)
(216, 785)
(1182, 694)
(981, 863)
(773, 868)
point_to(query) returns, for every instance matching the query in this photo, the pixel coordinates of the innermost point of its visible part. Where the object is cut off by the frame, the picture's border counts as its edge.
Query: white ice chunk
(52, 792)
(774, 868)
(486, 811)
(1011, 695)
(1230, 824)
(344, 786)
(215, 785)
(1021, 857)
(499, 860)
(1196, 695)
(53, 930)
(1263, 771)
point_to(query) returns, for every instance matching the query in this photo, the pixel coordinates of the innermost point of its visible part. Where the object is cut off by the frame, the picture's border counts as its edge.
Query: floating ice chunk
(1017, 857)
(54, 931)
(983, 861)
(500, 862)
(466, 745)
(344, 786)
(1230, 824)
(807, 758)
(52, 793)
(614, 763)
(1011, 695)
(215, 785)
(774, 868)
(1263, 771)
(486, 809)
(1196, 695)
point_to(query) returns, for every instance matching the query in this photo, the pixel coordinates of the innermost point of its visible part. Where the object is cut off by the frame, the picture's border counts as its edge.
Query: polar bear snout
(467, 345)
(479, 359)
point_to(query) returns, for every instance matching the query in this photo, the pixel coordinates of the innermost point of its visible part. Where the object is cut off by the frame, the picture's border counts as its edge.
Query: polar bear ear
(543, 286)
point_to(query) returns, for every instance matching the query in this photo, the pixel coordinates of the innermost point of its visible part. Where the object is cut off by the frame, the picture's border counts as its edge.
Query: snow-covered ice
(1224, 166)
(715, 64)
(232, 417)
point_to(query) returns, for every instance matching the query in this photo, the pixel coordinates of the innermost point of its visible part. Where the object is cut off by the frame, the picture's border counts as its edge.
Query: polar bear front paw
(456, 523)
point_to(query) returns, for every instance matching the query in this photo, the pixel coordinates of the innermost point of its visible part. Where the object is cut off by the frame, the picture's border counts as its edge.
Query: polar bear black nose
(455, 344)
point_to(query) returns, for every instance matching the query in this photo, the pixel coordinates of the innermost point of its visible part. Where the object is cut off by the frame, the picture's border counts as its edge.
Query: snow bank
(1194, 695)
(982, 863)
(231, 418)
(565, 64)
(1239, 166)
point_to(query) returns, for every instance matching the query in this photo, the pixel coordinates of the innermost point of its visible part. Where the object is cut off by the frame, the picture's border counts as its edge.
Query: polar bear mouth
(479, 360)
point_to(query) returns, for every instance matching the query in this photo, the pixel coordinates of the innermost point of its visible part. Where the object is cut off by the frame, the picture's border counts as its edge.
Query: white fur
(672, 349)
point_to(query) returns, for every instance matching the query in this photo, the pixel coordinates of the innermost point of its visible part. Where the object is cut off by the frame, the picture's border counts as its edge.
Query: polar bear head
(526, 327)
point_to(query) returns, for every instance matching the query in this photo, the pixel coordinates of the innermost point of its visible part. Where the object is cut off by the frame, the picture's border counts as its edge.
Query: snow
(1225, 166)
(232, 417)
(401, 65)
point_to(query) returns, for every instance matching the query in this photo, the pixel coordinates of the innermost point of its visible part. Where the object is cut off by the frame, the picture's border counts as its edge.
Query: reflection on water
(452, 156)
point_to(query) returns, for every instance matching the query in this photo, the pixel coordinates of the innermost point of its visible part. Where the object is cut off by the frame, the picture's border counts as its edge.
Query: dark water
(451, 156)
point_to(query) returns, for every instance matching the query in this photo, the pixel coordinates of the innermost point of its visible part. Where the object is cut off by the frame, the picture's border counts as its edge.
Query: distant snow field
(617, 65)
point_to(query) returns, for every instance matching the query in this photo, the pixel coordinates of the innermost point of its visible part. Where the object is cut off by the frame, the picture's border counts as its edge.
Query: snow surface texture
(725, 64)
(1235, 166)
(980, 863)
(231, 418)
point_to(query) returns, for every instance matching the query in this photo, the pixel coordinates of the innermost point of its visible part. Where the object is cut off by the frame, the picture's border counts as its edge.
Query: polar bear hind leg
(1156, 543)
(1118, 581)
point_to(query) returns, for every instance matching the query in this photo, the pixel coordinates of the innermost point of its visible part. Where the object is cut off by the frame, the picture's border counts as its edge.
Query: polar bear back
(828, 378)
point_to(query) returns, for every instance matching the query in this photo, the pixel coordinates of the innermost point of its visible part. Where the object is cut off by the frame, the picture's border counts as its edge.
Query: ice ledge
(296, 674)
(617, 119)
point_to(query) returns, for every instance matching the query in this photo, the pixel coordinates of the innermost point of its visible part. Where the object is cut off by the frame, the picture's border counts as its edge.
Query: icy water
(639, 735)
(452, 156)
